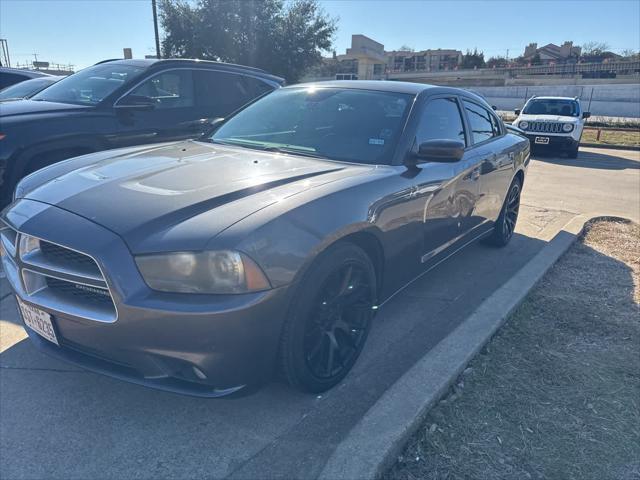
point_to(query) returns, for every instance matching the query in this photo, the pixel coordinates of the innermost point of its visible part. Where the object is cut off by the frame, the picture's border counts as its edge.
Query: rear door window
(224, 93)
(481, 123)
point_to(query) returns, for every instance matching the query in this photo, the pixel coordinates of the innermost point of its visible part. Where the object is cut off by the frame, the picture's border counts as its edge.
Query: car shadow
(590, 159)
(276, 432)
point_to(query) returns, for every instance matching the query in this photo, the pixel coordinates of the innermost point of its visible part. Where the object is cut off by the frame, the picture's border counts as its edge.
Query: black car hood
(179, 196)
(30, 107)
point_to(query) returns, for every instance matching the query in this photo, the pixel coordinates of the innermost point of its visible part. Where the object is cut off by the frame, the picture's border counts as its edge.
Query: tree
(473, 60)
(536, 60)
(594, 48)
(497, 62)
(630, 54)
(285, 39)
(406, 48)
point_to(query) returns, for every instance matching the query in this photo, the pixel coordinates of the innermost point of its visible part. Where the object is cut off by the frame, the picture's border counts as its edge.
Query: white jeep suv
(553, 122)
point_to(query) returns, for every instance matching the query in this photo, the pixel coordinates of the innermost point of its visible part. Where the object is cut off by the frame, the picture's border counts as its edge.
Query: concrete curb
(612, 147)
(375, 442)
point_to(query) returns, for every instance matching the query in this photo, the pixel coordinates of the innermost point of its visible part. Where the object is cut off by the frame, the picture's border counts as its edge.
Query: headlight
(567, 127)
(222, 271)
(523, 125)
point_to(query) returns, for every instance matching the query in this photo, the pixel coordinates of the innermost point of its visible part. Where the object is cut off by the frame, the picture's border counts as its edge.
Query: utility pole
(155, 27)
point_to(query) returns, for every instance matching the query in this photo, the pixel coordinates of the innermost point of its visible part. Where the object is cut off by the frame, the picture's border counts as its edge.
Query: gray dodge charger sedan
(204, 267)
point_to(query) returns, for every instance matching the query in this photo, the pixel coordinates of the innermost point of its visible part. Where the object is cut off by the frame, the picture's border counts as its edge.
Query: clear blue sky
(81, 32)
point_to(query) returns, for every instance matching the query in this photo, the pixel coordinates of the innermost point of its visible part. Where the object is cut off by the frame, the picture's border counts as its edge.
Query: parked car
(28, 88)
(202, 267)
(11, 76)
(120, 103)
(553, 123)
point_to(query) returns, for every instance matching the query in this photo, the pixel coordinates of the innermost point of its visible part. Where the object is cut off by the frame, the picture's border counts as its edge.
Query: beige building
(367, 59)
(423, 61)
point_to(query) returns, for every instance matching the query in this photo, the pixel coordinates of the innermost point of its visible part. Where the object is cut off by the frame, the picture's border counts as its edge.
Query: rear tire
(506, 223)
(329, 319)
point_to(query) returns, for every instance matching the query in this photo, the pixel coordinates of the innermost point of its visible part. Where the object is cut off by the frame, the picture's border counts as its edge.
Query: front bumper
(556, 142)
(204, 345)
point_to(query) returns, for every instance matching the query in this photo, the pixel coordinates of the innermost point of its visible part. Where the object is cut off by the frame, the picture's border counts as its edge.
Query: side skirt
(433, 265)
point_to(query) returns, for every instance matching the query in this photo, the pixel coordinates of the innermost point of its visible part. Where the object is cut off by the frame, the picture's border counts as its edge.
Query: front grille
(545, 127)
(70, 258)
(80, 292)
(56, 277)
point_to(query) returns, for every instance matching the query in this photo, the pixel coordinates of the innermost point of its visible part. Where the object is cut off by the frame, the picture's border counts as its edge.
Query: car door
(494, 158)
(448, 190)
(160, 108)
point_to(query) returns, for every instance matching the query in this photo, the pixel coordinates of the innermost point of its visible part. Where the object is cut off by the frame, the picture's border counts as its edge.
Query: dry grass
(556, 393)
(632, 137)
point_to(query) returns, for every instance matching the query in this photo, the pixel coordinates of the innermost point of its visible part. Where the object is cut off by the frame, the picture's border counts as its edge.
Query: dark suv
(121, 103)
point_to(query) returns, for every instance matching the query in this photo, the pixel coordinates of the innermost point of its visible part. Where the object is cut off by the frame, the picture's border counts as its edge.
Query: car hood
(29, 107)
(178, 196)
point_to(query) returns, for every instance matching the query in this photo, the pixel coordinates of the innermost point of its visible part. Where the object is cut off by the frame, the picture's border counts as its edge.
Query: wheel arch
(371, 245)
(367, 239)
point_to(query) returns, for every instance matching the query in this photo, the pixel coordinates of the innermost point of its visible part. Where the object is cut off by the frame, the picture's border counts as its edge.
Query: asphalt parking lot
(57, 421)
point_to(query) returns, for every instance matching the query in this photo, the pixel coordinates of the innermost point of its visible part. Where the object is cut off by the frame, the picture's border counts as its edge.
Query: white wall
(608, 100)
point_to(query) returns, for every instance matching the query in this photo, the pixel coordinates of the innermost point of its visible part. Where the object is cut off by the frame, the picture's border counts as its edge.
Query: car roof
(380, 85)
(553, 98)
(24, 71)
(189, 62)
(396, 87)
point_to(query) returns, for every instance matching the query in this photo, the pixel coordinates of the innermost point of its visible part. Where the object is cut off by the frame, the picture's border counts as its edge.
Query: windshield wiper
(293, 151)
(267, 148)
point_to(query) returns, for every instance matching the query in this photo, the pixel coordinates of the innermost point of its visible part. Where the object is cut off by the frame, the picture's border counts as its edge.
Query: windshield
(26, 89)
(351, 125)
(89, 86)
(552, 106)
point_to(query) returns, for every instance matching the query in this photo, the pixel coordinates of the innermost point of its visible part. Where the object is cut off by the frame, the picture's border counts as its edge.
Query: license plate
(38, 320)
(542, 140)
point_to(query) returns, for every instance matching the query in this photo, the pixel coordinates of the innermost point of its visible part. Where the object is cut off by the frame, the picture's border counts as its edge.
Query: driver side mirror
(586, 115)
(438, 151)
(135, 102)
(517, 111)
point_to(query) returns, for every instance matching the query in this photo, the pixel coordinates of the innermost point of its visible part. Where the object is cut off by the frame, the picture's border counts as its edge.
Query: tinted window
(91, 85)
(482, 127)
(360, 126)
(7, 79)
(172, 89)
(441, 120)
(26, 88)
(256, 87)
(496, 125)
(226, 92)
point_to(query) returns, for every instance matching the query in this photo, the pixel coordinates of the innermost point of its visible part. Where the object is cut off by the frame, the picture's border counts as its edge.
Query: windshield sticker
(376, 141)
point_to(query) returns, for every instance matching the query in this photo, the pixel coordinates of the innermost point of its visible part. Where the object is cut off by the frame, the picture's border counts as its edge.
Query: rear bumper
(203, 345)
(556, 142)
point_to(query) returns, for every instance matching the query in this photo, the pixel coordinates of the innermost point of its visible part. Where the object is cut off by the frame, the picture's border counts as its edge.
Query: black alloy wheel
(506, 223)
(511, 211)
(336, 329)
(329, 319)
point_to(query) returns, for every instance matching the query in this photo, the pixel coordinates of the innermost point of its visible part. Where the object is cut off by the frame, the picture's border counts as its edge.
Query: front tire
(506, 223)
(573, 153)
(329, 319)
